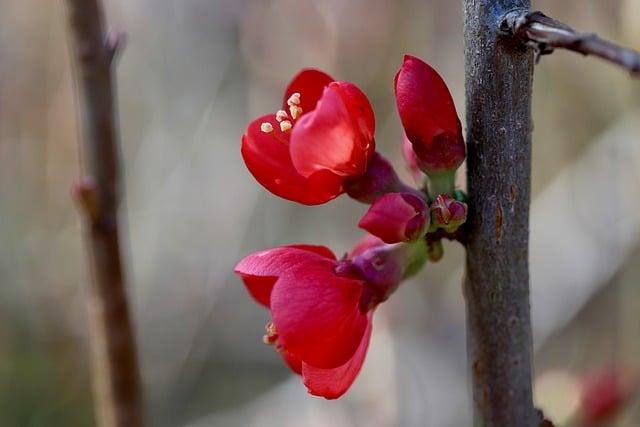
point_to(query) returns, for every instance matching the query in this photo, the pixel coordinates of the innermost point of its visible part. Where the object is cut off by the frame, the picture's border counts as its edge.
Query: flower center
(286, 120)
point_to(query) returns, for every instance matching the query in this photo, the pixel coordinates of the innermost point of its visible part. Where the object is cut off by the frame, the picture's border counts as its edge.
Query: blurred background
(192, 75)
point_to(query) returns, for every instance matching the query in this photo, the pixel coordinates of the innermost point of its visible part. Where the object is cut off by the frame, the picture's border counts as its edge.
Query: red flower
(397, 217)
(323, 136)
(319, 324)
(429, 117)
(604, 393)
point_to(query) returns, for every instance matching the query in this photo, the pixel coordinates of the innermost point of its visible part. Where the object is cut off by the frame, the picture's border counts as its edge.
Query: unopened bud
(397, 217)
(448, 213)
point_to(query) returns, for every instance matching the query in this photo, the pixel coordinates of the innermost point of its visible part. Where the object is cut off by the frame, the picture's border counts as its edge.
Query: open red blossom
(319, 325)
(323, 135)
(429, 117)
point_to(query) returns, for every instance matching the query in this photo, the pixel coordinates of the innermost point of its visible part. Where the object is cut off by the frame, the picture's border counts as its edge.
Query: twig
(545, 34)
(498, 104)
(115, 364)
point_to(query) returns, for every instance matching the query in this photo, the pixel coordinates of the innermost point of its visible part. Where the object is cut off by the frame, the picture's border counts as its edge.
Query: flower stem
(441, 184)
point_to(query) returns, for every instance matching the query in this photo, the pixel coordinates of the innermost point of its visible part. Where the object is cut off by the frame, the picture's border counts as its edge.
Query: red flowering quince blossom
(319, 325)
(323, 135)
(318, 146)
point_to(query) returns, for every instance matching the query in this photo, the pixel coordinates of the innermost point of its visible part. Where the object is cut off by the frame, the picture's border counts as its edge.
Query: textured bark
(116, 377)
(498, 90)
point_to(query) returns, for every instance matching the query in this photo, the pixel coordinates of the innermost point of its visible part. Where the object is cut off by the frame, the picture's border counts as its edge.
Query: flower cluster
(319, 145)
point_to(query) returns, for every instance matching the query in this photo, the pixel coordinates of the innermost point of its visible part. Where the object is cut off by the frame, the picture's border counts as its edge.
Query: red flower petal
(320, 250)
(317, 313)
(429, 116)
(267, 158)
(359, 109)
(336, 136)
(310, 84)
(260, 270)
(333, 383)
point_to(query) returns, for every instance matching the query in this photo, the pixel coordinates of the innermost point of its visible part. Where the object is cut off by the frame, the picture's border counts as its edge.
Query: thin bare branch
(545, 34)
(115, 364)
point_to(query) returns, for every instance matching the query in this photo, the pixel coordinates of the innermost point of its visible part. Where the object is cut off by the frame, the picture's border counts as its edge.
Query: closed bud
(397, 217)
(429, 117)
(448, 213)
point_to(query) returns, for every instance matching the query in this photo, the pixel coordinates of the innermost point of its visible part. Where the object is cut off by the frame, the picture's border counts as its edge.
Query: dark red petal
(310, 84)
(267, 158)
(333, 383)
(329, 139)
(316, 313)
(260, 270)
(427, 111)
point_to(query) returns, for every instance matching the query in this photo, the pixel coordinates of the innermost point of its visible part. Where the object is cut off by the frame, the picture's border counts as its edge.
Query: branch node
(544, 34)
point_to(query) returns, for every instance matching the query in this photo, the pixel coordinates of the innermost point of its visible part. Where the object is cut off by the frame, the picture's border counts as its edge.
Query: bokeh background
(194, 72)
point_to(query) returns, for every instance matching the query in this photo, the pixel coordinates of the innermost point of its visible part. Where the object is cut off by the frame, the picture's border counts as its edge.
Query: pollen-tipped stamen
(285, 126)
(266, 127)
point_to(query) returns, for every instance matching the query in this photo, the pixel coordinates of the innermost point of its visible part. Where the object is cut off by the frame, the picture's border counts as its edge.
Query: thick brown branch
(545, 34)
(116, 377)
(498, 104)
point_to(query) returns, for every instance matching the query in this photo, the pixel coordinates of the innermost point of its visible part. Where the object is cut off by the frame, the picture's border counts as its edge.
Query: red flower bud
(397, 217)
(429, 117)
(448, 213)
(323, 136)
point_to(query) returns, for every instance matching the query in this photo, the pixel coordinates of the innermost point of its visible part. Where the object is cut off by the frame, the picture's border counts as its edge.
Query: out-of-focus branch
(115, 364)
(545, 34)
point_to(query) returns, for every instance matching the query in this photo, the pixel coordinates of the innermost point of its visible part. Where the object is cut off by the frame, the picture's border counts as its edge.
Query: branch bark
(115, 365)
(498, 105)
(545, 34)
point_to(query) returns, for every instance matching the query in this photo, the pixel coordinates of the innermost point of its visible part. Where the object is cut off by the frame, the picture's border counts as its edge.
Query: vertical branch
(116, 377)
(498, 91)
